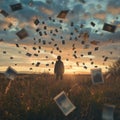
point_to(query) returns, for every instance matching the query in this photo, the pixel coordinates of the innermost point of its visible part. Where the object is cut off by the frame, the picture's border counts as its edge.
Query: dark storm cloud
(117, 22)
(80, 14)
(101, 15)
(91, 8)
(115, 36)
(106, 36)
(62, 4)
(29, 11)
(76, 13)
(114, 3)
(78, 9)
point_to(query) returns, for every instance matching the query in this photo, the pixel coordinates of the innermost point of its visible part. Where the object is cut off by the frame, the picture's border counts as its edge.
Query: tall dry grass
(30, 97)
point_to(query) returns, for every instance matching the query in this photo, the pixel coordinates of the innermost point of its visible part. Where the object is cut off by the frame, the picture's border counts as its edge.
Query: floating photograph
(64, 103)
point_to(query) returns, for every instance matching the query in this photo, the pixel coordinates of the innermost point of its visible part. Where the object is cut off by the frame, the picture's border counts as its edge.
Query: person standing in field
(59, 68)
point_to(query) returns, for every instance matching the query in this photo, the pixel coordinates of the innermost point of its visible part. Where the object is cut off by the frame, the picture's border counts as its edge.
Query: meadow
(30, 97)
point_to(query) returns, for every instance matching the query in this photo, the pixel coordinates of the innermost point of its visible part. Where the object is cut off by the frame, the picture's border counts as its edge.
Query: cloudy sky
(79, 37)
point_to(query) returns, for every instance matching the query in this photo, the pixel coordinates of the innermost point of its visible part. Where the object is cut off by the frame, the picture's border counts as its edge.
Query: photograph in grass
(108, 112)
(10, 73)
(64, 103)
(97, 76)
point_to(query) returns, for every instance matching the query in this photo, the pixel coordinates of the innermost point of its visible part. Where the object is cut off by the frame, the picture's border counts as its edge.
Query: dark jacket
(59, 67)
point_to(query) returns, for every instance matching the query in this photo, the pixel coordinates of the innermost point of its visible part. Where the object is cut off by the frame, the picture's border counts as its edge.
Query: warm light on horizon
(37, 70)
(86, 36)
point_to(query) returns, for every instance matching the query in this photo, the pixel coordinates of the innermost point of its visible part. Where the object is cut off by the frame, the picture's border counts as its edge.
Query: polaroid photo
(10, 73)
(22, 34)
(63, 14)
(28, 54)
(86, 46)
(4, 13)
(16, 7)
(108, 112)
(64, 103)
(97, 76)
(109, 27)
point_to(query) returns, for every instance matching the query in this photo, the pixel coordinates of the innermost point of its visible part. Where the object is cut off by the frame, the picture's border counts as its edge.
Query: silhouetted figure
(59, 68)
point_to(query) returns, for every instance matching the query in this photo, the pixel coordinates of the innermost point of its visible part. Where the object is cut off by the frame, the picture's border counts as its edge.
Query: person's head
(59, 57)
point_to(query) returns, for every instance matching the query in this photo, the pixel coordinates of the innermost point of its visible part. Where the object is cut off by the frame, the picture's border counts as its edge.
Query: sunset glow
(83, 23)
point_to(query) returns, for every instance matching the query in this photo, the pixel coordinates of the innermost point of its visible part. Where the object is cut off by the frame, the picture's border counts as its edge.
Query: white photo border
(73, 106)
(92, 76)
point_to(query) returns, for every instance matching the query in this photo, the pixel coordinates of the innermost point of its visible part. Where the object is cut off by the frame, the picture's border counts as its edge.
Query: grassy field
(30, 97)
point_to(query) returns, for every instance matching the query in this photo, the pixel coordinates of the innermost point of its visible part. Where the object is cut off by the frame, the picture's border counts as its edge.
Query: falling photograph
(59, 59)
